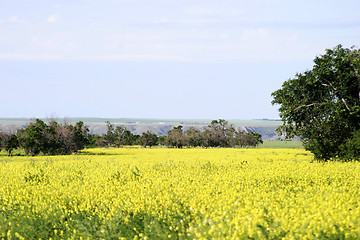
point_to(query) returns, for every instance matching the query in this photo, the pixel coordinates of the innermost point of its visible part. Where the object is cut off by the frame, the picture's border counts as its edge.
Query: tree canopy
(52, 138)
(322, 105)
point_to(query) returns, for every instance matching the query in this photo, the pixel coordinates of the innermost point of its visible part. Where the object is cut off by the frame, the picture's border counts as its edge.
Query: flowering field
(179, 194)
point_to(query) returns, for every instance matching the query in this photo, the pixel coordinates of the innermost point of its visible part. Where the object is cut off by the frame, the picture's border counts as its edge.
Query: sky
(187, 59)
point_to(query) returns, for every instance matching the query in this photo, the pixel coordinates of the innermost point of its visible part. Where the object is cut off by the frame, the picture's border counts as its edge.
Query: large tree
(322, 105)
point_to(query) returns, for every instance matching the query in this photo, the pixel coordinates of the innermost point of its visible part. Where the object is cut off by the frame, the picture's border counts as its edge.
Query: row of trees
(117, 136)
(218, 134)
(53, 138)
(49, 139)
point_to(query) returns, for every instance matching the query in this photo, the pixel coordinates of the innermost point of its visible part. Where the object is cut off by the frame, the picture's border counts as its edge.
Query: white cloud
(199, 11)
(293, 37)
(28, 57)
(120, 57)
(135, 57)
(189, 21)
(250, 34)
(15, 19)
(53, 18)
(215, 10)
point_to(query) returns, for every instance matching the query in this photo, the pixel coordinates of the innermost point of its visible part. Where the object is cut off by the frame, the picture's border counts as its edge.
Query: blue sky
(161, 58)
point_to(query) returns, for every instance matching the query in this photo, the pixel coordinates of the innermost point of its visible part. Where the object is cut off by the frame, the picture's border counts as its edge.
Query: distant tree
(239, 139)
(148, 139)
(52, 138)
(96, 140)
(218, 134)
(162, 140)
(2, 137)
(118, 136)
(136, 139)
(33, 139)
(79, 135)
(58, 138)
(110, 134)
(252, 139)
(245, 139)
(322, 105)
(122, 136)
(8, 142)
(194, 137)
(176, 137)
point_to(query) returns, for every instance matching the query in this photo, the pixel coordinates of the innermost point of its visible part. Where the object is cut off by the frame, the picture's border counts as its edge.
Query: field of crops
(179, 194)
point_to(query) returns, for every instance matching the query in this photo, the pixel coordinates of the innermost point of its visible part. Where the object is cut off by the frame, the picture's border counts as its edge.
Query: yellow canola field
(179, 194)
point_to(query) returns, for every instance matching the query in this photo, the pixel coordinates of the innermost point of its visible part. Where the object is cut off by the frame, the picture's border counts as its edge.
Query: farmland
(179, 194)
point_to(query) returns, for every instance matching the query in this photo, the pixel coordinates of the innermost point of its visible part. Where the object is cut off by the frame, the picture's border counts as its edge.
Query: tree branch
(347, 107)
(308, 105)
(335, 89)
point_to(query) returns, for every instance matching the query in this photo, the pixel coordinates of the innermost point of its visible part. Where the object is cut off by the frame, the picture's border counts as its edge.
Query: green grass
(15, 152)
(281, 144)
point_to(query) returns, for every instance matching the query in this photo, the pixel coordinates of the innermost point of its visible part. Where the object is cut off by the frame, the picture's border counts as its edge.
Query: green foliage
(33, 137)
(322, 105)
(350, 150)
(52, 138)
(148, 139)
(117, 136)
(194, 137)
(79, 135)
(8, 142)
(176, 137)
(218, 134)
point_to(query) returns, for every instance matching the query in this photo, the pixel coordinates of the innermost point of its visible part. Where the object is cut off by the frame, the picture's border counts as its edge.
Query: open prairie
(179, 194)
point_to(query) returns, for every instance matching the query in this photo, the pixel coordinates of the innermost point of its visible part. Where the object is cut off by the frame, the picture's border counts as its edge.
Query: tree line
(218, 134)
(49, 138)
(54, 138)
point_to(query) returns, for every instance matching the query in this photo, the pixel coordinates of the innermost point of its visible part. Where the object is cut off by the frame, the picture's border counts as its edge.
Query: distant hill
(265, 127)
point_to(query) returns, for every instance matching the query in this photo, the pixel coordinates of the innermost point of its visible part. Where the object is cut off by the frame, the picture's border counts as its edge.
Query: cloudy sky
(161, 58)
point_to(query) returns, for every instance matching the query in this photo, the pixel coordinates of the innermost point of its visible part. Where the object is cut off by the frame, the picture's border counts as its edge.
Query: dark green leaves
(323, 105)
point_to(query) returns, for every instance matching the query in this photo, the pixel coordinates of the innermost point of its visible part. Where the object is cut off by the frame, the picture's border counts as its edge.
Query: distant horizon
(139, 118)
